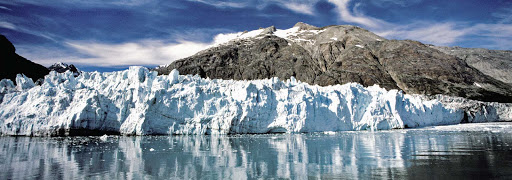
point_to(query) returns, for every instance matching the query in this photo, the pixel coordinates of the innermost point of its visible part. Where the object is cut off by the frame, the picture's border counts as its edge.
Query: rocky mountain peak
(269, 30)
(6, 46)
(342, 54)
(61, 67)
(12, 64)
(304, 26)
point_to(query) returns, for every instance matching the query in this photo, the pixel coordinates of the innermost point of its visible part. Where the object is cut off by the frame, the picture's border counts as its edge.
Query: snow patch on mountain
(138, 102)
(294, 34)
(61, 67)
(225, 38)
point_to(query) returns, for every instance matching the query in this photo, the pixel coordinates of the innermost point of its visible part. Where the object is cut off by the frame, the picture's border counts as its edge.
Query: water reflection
(348, 155)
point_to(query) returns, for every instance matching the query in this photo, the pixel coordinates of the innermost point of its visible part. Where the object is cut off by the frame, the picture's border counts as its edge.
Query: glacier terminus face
(138, 102)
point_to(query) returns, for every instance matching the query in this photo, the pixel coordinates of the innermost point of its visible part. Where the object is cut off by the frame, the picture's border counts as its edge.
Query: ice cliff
(138, 102)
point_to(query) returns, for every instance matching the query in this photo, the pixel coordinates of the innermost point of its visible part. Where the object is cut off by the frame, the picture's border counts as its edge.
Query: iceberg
(139, 102)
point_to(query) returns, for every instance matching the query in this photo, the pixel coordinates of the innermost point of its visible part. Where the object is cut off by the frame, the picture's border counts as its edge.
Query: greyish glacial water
(476, 151)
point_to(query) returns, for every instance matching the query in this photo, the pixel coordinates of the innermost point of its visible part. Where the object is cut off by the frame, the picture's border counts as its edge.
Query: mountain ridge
(61, 67)
(341, 54)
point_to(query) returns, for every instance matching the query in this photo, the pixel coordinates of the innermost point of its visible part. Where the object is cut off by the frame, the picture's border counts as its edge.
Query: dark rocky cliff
(341, 54)
(12, 63)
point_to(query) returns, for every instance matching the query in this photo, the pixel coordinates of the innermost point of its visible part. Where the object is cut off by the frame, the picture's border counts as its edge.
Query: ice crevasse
(139, 102)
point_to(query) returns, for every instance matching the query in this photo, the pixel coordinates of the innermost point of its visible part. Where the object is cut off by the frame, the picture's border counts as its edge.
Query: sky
(106, 35)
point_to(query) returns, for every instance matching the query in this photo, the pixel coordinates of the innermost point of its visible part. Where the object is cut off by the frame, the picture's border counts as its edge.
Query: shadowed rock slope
(341, 54)
(13, 64)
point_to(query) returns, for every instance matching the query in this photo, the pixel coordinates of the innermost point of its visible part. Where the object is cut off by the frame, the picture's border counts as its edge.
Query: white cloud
(11, 26)
(433, 33)
(438, 34)
(223, 4)
(45, 55)
(387, 3)
(505, 15)
(155, 52)
(492, 30)
(147, 52)
(452, 32)
(493, 36)
(7, 25)
(345, 15)
(80, 3)
(300, 8)
(144, 52)
(3, 7)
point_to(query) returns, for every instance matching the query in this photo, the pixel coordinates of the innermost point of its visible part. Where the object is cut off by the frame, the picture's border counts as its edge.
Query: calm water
(417, 154)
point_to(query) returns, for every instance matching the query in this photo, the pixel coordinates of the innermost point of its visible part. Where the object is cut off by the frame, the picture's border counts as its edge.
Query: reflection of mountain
(362, 155)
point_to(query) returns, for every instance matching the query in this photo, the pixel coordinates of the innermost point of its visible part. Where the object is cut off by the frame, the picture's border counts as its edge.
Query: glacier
(139, 102)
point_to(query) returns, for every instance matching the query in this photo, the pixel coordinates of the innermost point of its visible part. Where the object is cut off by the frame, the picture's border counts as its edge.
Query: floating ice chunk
(104, 137)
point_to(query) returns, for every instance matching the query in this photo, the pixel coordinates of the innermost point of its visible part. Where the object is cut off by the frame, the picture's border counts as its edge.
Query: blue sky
(107, 35)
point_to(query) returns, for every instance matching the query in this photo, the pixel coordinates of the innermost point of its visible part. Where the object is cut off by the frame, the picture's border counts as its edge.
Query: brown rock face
(494, 63)
(341, 54)
(267, 57)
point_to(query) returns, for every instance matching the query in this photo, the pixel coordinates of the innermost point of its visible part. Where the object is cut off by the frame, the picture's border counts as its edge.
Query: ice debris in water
(138, 102)
(329, 132)
(104, 137)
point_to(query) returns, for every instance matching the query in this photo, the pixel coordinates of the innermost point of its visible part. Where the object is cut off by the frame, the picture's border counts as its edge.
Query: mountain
(140, 102)
(341, 54)
(63, 67)
(13, 64)
(494, 63)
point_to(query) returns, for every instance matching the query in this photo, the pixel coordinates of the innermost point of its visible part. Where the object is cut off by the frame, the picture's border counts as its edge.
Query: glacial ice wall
(138, 102)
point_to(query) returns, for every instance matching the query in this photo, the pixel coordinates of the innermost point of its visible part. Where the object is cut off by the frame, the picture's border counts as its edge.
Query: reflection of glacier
(137, 101)
(359, 155)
